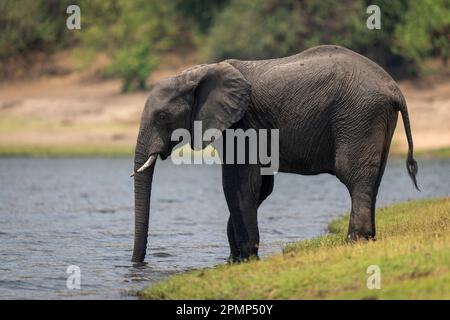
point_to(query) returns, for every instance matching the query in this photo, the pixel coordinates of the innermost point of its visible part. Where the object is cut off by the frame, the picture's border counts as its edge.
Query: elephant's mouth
(166, 153)
(164, 156)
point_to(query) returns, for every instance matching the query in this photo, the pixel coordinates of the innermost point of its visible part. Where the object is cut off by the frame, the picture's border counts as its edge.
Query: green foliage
(200, 13)
(132, 33)
(426, 30)
(135, 34)
(31, 25)
(266, 28)
(133, 65)
(242, 35)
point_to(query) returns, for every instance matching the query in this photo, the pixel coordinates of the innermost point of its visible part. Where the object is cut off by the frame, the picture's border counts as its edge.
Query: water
(60, 212)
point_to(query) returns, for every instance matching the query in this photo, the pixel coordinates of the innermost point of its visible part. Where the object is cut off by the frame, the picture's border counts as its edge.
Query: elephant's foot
(250, 258)
(232, 259)
(248, 251)
(244, 253)
(358, 235)
(238, 259)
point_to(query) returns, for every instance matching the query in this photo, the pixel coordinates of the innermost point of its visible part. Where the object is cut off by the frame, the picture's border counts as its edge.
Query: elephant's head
(216, 94)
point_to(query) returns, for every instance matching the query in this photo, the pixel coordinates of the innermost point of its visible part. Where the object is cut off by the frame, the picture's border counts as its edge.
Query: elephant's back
(346, 59)
(316, 65)
(316, 80)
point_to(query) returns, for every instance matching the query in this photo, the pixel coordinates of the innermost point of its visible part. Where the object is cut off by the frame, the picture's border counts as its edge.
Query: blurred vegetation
(32, 25)
(136, 34)
(425, 31)
(132, 33)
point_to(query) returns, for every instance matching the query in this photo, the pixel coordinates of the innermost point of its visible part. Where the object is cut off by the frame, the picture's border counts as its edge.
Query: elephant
(336, 112)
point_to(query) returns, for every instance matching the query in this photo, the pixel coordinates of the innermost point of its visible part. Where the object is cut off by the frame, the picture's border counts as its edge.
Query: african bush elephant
(336, 112)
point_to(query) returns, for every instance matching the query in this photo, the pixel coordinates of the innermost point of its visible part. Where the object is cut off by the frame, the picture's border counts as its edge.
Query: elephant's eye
(162, 116)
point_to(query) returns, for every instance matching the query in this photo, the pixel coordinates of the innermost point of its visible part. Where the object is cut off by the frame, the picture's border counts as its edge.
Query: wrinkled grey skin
(336, 111)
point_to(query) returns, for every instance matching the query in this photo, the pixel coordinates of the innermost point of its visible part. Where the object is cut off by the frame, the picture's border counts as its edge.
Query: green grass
(397, 151)
(109, 150)
(435, 153)
(20, 125)
(412, 251)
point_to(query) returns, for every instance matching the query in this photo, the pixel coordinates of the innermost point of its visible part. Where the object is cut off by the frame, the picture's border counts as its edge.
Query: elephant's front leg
(235, 253)
(242, 184)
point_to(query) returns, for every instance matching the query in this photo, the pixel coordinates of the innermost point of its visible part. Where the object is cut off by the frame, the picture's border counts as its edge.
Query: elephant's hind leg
(362, 216)
(363, 189)
(361, 167)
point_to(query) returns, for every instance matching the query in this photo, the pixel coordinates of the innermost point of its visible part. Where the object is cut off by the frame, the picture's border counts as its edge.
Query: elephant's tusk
(146, 165)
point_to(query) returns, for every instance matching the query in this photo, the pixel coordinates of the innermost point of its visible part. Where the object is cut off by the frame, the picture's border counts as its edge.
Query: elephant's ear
(221, 96)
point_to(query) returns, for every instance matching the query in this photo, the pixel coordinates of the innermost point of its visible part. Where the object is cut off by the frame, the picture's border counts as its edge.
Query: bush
(239, 33)
(132, 33)
(31, 25)
(258, 29)
(426, 31)
(133, 65)
(199, 13)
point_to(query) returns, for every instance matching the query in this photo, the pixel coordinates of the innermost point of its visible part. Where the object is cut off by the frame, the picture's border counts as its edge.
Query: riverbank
(412, 251)
(57, 151)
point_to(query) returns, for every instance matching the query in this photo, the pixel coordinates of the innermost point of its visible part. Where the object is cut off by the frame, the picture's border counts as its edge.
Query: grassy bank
(412, 251)
(105, 150)
(434, 153)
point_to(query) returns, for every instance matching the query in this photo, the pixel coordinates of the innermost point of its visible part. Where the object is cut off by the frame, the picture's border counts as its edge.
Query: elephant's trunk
(142, 192)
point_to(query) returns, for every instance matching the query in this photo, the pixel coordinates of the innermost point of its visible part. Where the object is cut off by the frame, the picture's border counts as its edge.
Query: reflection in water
(60, 212)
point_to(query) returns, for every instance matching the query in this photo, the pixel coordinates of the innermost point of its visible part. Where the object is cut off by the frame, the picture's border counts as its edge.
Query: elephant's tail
(411, 164)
